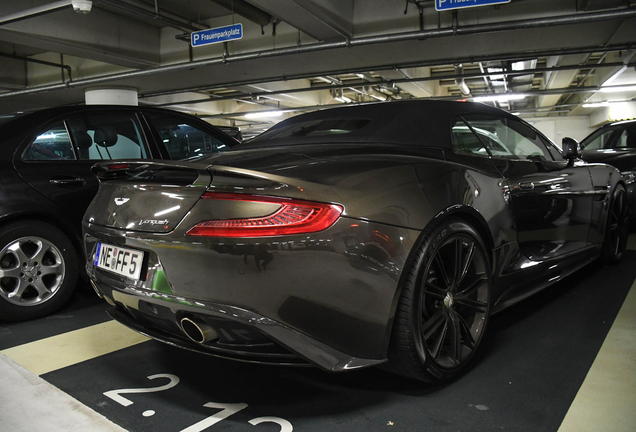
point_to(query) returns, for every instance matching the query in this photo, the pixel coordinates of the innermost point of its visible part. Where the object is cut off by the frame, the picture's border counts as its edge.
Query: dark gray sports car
(351, 237)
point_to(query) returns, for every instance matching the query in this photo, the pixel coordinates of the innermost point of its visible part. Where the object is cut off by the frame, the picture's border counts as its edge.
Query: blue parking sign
(216, 35)
(442, 5)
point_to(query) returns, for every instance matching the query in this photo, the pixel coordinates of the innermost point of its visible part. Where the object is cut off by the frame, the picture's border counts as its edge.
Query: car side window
(52, 145)
(107, 136)
(603, 139)
(615, 138)
(498, 137)
(183, 138)
(476, 141)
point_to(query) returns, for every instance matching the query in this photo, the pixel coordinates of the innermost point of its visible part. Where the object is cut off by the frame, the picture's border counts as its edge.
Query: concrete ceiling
(298, 55)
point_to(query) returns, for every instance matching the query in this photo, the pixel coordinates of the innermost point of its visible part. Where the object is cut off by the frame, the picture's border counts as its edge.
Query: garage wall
(556, 128)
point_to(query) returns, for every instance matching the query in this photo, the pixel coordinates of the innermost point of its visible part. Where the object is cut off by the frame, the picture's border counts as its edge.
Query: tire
(443, 309)
(38, 270)
(617, 227)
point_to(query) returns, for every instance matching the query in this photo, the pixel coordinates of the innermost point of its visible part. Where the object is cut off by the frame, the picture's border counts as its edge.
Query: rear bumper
(243, 335)
(325, 299)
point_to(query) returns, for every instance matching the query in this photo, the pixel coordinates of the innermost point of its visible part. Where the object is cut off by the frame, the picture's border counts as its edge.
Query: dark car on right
(615, 144)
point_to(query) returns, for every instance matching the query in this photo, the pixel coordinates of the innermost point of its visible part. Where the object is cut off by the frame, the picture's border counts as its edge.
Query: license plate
(116, 259)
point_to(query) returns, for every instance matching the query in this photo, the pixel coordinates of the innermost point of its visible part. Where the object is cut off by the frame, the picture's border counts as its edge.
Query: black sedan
(46, 185)
(615, 144)
(371, 235)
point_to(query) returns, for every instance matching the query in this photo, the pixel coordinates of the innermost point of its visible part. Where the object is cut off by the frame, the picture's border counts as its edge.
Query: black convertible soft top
(418, 122)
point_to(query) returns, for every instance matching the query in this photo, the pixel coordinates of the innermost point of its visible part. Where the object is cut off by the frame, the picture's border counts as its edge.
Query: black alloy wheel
(617, 227)
(38, 270)
(444, 306)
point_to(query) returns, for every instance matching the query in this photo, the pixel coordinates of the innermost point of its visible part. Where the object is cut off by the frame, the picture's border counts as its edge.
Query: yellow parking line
(607, 399)
(57, 352)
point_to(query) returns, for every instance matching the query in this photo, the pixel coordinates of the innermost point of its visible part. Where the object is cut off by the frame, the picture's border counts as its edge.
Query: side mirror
(571, 149)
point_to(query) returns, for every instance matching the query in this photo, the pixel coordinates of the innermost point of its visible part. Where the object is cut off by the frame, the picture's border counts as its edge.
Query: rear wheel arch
(59, 223)
(465, 214)
(420, 308)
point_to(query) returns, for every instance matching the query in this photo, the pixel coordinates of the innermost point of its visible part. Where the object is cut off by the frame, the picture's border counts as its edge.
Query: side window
(107, 136)
(183, 138)
(499, 137)
(615, 138)
(604, 140)
(52, 145)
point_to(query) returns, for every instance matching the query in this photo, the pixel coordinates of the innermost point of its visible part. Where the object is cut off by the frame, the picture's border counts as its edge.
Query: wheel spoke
(467, 262)
(454, 338)
(433, 324)
(56, 269)
(478, 306)
(458, 259)
(439, 264)
(38, 256)
(41, 288)
(10, 273)
(466, 336)
(17, 251)
(19, 291)
(433, 290)
(439, 342)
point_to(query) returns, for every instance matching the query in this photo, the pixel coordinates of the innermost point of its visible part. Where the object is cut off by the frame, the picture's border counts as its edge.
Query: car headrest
(83, 140)
(105, 136)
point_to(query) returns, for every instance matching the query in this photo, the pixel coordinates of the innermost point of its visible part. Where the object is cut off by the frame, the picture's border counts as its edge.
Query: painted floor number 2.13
(226, 409)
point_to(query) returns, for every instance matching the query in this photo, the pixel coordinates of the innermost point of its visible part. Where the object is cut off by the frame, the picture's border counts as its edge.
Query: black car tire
(444, 305)
(617, 227)
(38, 270)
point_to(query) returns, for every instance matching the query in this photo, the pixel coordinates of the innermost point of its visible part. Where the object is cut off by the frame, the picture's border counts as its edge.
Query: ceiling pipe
(42, 62)
(461, 82)
(581, 18)
(363, 73)
(378, 82)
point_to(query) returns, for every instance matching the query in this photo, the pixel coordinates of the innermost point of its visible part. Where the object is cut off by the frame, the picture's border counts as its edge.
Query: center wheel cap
(449, 300)
(30, 271)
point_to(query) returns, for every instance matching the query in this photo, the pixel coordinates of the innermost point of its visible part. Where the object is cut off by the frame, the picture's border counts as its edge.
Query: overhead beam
(117, 40)
(327, 20)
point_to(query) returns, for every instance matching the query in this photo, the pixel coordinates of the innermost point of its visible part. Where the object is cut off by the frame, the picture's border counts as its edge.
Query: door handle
(70, 181)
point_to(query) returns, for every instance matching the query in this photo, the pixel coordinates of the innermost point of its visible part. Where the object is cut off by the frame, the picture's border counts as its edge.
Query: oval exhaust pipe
(198, 330)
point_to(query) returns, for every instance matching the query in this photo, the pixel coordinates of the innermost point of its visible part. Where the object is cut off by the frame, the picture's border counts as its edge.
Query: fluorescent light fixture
(343, 99)
(617, 89)
(499, 98)
(613, 77)
(263, 114)
(596, 105)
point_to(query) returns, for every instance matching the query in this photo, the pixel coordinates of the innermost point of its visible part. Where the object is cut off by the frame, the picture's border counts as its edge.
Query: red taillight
(115, 166)
(293, 217)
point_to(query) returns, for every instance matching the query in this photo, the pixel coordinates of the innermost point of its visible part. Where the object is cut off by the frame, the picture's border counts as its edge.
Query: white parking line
(607, 399)
(57, 352)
